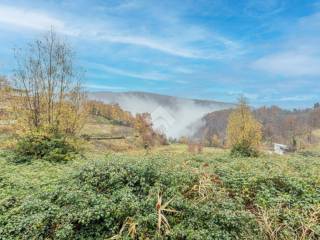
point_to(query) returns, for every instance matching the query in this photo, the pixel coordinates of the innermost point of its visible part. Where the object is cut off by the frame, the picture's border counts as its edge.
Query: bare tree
(49, 85)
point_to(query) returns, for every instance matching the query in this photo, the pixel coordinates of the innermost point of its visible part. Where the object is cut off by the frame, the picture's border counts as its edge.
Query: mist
(173, 116)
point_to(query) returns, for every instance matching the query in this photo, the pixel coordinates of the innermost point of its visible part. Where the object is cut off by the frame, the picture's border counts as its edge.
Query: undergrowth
(52, 148)
(170, 197)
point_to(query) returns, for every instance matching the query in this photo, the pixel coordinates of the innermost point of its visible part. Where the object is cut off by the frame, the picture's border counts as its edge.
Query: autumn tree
(49, 87)
(4, 97)
(244, 132)
(143, 125)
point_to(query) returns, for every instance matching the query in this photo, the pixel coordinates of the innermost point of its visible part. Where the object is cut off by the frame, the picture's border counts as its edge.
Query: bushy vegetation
(52, 148)
(171, 196)
(243, 149)
(244, 133)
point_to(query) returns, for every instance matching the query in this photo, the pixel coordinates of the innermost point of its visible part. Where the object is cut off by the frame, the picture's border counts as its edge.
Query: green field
(165, 193)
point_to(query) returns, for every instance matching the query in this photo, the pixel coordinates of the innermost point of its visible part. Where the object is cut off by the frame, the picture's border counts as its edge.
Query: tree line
(292, 127)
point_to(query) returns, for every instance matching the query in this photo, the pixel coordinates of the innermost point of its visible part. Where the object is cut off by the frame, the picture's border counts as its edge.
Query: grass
(101, 127)
(278, 195)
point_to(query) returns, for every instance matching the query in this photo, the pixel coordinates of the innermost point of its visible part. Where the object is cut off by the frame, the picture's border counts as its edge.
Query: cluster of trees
(290, 127)
(142, 122)
(111, 112)
(213, 131)
(278, 126)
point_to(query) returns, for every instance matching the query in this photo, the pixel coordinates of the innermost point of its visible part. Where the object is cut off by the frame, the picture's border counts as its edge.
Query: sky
(265, 50)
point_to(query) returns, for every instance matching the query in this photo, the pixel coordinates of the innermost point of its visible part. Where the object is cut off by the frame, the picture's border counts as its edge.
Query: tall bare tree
(49, 86)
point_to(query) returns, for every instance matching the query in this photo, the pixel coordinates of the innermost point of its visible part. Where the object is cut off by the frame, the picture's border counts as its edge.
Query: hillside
(171, 115)
(121, 137)
(278, 125)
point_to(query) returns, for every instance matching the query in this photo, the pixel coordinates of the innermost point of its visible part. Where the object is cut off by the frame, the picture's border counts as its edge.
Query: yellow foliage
(243, 128)
(111, 112)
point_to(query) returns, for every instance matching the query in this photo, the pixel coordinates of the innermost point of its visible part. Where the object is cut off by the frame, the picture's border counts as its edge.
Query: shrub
(127, 199)
(38, 146)
(195, 198)
(243, 150)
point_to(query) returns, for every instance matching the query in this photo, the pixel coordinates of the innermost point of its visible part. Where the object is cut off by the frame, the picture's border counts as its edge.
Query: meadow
(163, 193)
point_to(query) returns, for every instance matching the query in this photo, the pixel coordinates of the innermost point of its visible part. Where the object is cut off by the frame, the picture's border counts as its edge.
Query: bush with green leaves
(169, 197)
(243, 150)
(45, 147)
(127, 199)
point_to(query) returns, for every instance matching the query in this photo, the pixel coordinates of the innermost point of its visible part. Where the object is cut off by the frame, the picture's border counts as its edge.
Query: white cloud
(290, 64)
(155, 76)
(298, 54)
(175, 39)
(297, 98)
(160, 45)
(21, 17)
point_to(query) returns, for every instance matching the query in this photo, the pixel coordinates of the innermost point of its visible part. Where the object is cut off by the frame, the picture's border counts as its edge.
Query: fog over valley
(174, 116)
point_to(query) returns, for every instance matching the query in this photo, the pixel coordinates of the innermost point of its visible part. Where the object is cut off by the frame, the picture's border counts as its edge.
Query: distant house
(280, 148)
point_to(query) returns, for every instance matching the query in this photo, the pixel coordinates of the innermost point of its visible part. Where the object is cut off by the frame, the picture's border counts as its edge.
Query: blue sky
(269, 50)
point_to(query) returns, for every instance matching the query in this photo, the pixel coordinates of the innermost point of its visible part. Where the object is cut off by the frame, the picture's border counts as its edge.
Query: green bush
(243, 150)
(119, 198)
(205, 198)
(48, 148)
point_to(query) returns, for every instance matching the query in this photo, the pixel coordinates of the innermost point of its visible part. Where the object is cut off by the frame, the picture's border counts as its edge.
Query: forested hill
(279, 125)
